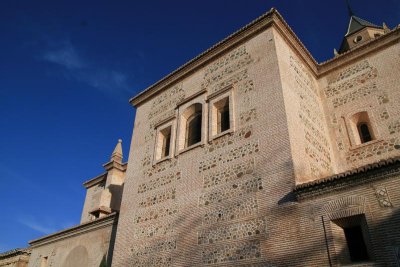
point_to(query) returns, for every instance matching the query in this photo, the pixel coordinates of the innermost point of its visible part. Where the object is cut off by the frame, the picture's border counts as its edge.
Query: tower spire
(349, 8)
(117, 153)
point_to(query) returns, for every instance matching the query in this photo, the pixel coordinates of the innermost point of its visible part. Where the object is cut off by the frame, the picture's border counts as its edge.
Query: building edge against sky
(252, 154)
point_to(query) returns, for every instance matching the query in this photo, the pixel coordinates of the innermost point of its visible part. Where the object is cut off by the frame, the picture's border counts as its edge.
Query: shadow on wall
(116, 192)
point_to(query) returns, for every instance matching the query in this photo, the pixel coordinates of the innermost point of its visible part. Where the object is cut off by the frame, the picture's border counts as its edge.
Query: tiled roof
(357, 24)
(362, 169)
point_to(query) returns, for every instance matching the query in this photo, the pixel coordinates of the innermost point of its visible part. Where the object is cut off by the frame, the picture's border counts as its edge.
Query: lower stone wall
(291, 233)
(87, 246)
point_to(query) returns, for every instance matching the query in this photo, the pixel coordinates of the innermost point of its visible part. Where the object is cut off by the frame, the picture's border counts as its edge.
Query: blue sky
(68, 68)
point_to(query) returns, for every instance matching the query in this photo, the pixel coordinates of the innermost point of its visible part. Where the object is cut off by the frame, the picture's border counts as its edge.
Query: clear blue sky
(68, 68)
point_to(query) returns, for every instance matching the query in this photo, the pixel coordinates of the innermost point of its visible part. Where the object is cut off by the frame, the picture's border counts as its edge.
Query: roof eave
(272, 17)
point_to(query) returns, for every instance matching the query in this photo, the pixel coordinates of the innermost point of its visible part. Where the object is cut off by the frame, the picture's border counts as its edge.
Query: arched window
(193, 129)
(364, 132)
(362, 128)
(191, 125)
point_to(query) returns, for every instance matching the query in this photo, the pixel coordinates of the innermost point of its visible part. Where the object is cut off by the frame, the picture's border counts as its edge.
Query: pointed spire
(351, 13)
(385, 28)
(335, 52)
(117, 153)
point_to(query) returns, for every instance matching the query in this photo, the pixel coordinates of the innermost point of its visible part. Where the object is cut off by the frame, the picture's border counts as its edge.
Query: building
(91, 242)
(253, 154)
(15, 258)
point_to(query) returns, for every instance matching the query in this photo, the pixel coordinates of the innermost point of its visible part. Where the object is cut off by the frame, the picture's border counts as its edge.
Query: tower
(359, 31)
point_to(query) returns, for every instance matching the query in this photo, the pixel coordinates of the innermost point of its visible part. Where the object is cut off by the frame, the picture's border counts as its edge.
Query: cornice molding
(76, 230)
(229, 42)
(96, 180)
(366, 174)
(270, 19)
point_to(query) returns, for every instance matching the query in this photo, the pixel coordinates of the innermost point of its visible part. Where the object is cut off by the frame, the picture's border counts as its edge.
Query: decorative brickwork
(160, 167)
(231, 155)
(239, 188)
(336, 89)
(158, 197)
(384, 114)
(354, 69)
(146, 160)
(154, 248)
(345, 207)
(228, 140)
(394, 127)
(225, 66)
(383, 197)
(248, 116)
(167, 100)
(154, 261)
(232, 252)
(240, 76)
(156, 213)
(235, 210)
(153, 230)
(355, 94)
(375, 149)
(234, 231)
(226, 60)
(159, 182)
(383, 98)
(310, 114)
(228, 173)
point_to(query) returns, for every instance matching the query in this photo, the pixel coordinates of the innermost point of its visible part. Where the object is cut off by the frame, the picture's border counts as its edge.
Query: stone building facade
(15, 258)
(253, 154)
(91, 242)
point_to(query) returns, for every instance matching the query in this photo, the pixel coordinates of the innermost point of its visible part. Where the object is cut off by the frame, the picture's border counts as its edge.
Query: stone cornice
(232, 40)
(76, 230)
(368, 173)
(271, 18)
(15, 252)
(95, 180)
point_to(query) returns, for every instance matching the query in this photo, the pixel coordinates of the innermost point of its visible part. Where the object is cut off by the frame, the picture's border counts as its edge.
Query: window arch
(363, 131)
(193, 129)
(192, 121)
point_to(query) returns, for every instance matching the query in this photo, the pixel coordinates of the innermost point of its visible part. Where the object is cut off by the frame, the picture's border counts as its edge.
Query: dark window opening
(96, 214)
(355, 243)
(223, 119)
(166, 142)
(365, 133)
(193, 129)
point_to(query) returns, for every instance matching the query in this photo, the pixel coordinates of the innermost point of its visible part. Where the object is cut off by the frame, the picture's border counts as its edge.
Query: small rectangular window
(223, 119)
(166, 142)
(351, 239)
(221, 115)
(163, 147)
(362, 128)
(356, 244)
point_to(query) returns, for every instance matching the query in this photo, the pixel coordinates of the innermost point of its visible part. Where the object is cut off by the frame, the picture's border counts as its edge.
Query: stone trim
(272, 17)
(106, 221)
(96, 180)
(262, 22)
(15, 252)
(368, 173)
